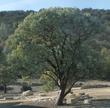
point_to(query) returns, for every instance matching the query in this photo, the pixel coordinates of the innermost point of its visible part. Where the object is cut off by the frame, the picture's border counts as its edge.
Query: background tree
(105, 53)
(6, 74)
(9, 21)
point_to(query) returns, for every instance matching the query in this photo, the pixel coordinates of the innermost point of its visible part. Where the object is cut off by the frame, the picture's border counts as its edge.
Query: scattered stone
(43, 95)
(72, 95)
(8, 98)
(74, 100)
(82, 93)
(64, 101)
(87, 101)
(27, 93)
(16, 98)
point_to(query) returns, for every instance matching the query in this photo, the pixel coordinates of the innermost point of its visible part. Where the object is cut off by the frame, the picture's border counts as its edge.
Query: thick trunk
(5, 88)
(61, 98)
(62, 95)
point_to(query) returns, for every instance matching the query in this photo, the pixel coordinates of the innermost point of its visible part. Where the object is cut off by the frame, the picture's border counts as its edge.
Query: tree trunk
(61, 98)
(5, 88)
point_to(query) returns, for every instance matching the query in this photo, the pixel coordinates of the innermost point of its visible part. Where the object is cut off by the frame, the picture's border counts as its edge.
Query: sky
(39, 4)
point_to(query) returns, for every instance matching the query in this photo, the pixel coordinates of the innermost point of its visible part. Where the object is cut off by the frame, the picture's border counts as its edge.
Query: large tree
(51, 41)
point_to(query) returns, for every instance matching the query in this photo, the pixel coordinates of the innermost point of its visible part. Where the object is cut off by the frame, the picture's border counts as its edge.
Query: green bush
(25, 87)
(48, 86)
(48, 83)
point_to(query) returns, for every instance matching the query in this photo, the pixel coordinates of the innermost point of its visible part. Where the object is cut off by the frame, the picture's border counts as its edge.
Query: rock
(16, 98)
(72, 95)
(74, 101)
(8, 98)
(82, 94)
(27, 93)
(87, 101)
(42, 94)
(64, 101)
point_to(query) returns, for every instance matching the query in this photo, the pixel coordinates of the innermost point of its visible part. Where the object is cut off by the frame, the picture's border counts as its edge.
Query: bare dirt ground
(97, 93)
(48, 99)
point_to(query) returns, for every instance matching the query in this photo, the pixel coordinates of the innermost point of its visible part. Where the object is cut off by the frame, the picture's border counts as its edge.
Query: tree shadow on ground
(27, 106)
(24, 106)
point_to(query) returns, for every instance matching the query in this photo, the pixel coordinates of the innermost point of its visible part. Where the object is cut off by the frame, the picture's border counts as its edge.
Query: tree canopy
(51, 41)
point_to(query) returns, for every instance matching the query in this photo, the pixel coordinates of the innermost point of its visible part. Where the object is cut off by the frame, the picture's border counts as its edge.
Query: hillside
(9, 21)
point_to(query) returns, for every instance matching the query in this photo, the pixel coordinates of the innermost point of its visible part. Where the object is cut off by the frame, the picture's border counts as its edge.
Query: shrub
(1, 87)
(49, 86)
(48, 83)
(26, 87)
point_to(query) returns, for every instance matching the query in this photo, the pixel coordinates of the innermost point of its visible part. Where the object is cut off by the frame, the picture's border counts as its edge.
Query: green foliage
(57, 40)
(64, 41)
(45, 30)
(9, 21)
(106, 65)
(51, 40)
(49, 86)
(48, 83)
(6, 74)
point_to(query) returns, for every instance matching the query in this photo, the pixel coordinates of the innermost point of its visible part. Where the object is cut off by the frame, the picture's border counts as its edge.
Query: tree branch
(69, 89)
(56, 81)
